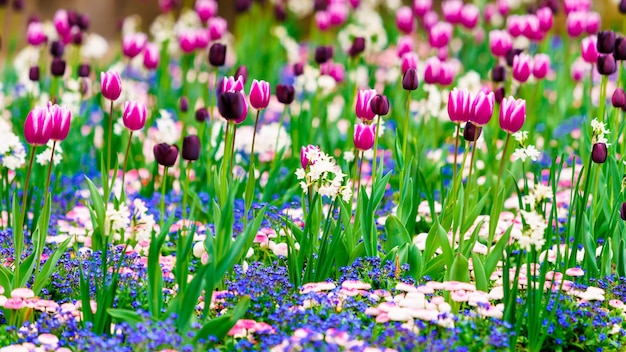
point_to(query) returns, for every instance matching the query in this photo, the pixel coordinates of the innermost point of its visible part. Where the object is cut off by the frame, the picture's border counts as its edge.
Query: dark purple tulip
(471, 132)
(622, 211)
(619, 98)
(33, 73)
(231, 105)
(165, 154)
(511, 54)
(243, 72)
(57, 67)
(499, 94)
(242, 5)
(202, 114)
(323, 54)
(285, 93)
(217, 54)
(84, 70)
(358, 46)
(191, 148)
(606, 64)
(498, 74)
(183, 104)
(606, 42)
(410, 80)
(77, 38)
(57, 48)
(83, 22)
(380, 105)
(279, 12)
(622, 7)
(599, 153)
(18, 5)
(619, 51)
(298, 69)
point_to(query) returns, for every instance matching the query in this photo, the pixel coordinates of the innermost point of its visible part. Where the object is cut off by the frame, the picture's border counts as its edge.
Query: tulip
(33, 73)
(482, 108)
(589, 49)
(322, 20)
(410, 80)
(35, 34)
(217, 54)
(111, 85)
(358, 46)
(606, 42)
(514, 25)
(183, 104)
(191, 148)
(305, 152)
(202, 114)
(60, 117)
(134, 115)
(404, 20)
(363, 108)
(592, 23)
(82, 21)
(61, 23)
(541, 66)
(546, 18)
(404, 46)
(298, 69)
(452, 10)
(57, 49)
(622, 9)
(499, 94)
(232, 106)
(409, 60)
(622, 208)
(432, 70)
(498, 74)
(469, 16)
(133, 44)
(57, 67)
(205, 9)
(364, 136)
(599, 153)
(619, 51)
(242, 71)
(165, 154)
(431, 18)
(500, 42)
(575, 23)
(323, 54)
(38, 126)
(260, 94)
(421, 7)
(84, 70)
(285, 93)
(531, 28)
(471, 132)
(187, 41)
(619, 98)
(338, 13)
(440, 34)
(606, 64)
(512, 114)
(380, 105)
(510, 56)
(446, 73)
(521, 67)
(217, 28)
(151, 56)
(459, 105)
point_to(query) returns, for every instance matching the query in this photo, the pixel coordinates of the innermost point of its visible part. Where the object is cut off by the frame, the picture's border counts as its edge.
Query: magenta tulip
(512, 114)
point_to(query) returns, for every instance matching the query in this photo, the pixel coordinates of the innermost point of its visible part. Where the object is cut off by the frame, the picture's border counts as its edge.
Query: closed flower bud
(33, 73)
(358, 46)
(363, 108)
(38, 127)
(606, 42)
(134, 115)
(599, 153)
(622, 209)
(165, 154)
(482, 108)
(183, 104)
(606, 64)
(622, 9)
(589, 50)
(202, 114)
(619, 51)
(298, 69)
(57, 67)
(151, 56)
(500, 42)
(499, 94)
(82, 21)
(35, 34)
(404, 20)
(84, 70)
(459, 105)
(231, 105)
(510, 56)
(619, 98)
(285, 93)
(409, 60)
(471, 132)
(60, 117)
(280, 14)
(133, 44)
(191, 148)
(110, 85)
(260, 94)
(432, 70)
(512, 114)
(410, 81)
(521, 67)
(541, 66)
(364, 136)
(323, 54)
(498, 74)
(440, 34)
(217, 54)
(242, 71)
(205, 9)
(380, 105)
(57, 48)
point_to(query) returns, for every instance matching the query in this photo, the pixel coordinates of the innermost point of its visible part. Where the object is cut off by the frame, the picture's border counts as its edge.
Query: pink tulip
(187, 41)
(60, 117)
(459, 105)
(514, 24)
(430, 19)
(592, 23)
(421, 7)
(38, 126)
(260, 94)
(446, 73)
(35, 34)
(546, 18)
(364, 136)
(531, 28)
(133, 44)
(363, 109)
(500, 42)
(482, 108)
(110, 84)
(541, 65)
(151, 56)
(512, 114)
(404, 20)
(440, 34)
(217, 27)
(305, 153)
(452, 10)
(575, 23)
(409, 60)
(405, 45)
(206, 9)
(521, 67)
(134, 115)
(62, 23)
(589, 49)
(322, 20)
(469, 16)
(432, 70)
(338, 13)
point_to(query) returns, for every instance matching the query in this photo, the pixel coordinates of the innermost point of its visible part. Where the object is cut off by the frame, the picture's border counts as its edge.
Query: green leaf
(397, 234)
(460, 269)
(125, 315)
(220, 326)
(496, 253)
(479, 272)
(48, 268)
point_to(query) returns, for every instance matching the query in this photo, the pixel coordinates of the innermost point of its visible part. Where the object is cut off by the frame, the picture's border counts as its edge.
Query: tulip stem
(46, 190)
(280, 124)
(471, 167)
(130, 138)
(162, 203)
(186, 189)
(108, 165)
(374, 162)
(456, 152)
(25, 194)
(358, 179)
(406, 137)
(602, 102)
(506, 144)
(256, 124)
(232, 149)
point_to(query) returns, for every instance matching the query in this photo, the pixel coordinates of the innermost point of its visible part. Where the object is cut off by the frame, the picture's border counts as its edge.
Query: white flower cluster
(324, 175)
(541, 193)
(43, 158)
(534, 235)
(523, 151)
(142, 223)
(116, 220)
(12, 151)
(599, 132)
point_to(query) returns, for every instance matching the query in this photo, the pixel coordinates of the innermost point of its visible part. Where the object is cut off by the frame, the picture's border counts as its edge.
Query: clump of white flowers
(12, 151)
(599, 132)
(43, 158)
(536, 224)
(142, 223)
(116, 220)
(524, 150)
(323, 176)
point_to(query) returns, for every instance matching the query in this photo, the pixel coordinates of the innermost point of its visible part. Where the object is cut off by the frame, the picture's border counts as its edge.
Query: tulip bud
(84, 70)
(498, 74)
(35, 34)
(482, 108)
(260, 94)
(285, 93)
(471, 132)
(380, 105)
(280, 14)
(202, 114)
(231, 105)
(60, 117)
(432, 70)
(364, 136)
(33, 73)
(57, 67)
(440, 34)
(151, 56)
(298, 69)
(599, 153)
(363, 108)
(541, 66)
(589, 50)
(404, 20)
(459, 105)
(409, 60)
(57, 48)
(606, 64)
(622, 9)
(205, 9)
(191, 148)
(134, 115)
(183, 104)
(110, 85)
(133, 44)
(410, 81)
(217, 54)
(619, 51)
(619, 98)
(512, 114)
(323, 54)
(38, 126)
(499, 94)
(305, 153)
(242, 71)
(358, 46)
(511, 54)
(622, 209)
(606, 42)
(165, 154)
(83, 22)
